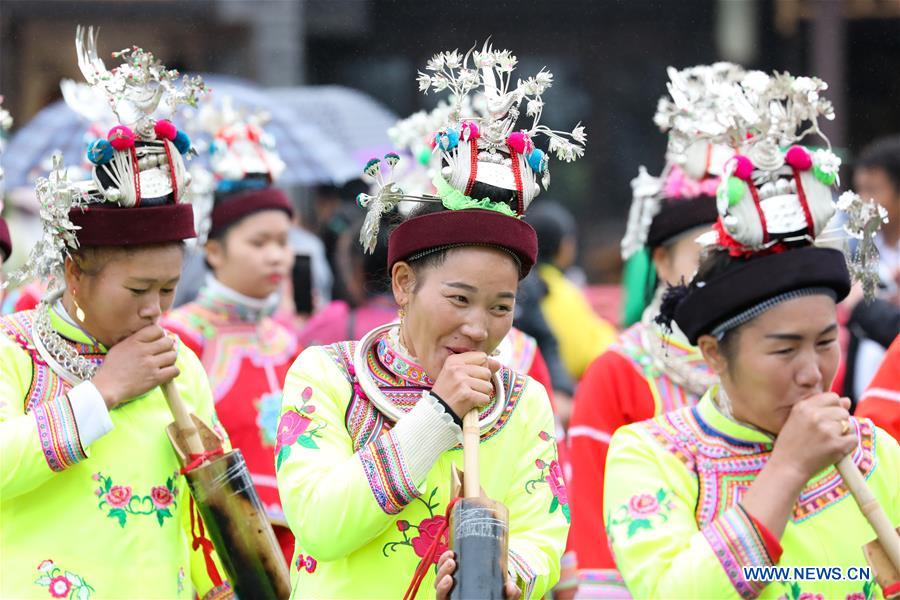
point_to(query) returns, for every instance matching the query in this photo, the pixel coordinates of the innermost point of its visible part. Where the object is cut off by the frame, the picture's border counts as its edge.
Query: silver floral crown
(508, 158)
(688, 114)
(56, 196)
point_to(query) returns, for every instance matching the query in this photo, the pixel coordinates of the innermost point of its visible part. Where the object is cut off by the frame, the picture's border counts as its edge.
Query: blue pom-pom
(447, 139)
(182, 142)
(537, 160)
(100, 152)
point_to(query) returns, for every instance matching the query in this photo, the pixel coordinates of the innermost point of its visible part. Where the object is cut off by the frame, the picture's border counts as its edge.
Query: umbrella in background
(312, 154)
(353, 120)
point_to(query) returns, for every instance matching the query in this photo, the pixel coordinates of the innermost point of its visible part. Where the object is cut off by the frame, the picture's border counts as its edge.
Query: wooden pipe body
(183, 421)
(479, 529)
(888, 538)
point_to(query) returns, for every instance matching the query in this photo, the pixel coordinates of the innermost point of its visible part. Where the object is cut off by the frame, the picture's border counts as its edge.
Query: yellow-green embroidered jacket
(92, 504)
(676, 529)
(365, 497)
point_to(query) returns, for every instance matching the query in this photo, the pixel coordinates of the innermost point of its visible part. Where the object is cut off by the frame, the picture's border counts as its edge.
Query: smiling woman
(372, 428)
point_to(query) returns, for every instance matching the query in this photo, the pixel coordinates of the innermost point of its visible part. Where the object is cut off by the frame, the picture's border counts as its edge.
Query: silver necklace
(386, 407)
(57, 353)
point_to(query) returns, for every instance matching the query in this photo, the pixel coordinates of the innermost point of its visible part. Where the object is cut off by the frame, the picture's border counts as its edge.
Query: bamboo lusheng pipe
(887, 536)
(471, 441)
(479, 529)
(183, 420)
(231, 509)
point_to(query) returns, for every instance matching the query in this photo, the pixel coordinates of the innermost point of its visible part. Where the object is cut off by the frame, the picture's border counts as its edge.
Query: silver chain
(63, 353)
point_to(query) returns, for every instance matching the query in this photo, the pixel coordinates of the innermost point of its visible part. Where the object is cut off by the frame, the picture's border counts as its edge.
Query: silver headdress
(773, 190)
(242, 155)
(141, 160)
(56, 196)
(864, 219)
(693, 163)
(775, 193)
(486, 163)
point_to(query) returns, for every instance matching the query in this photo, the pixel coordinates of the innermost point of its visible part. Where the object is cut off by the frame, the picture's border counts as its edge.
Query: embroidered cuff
(773, 546)
(424, 434)
(91, 414)
(389, 478)
(522, 573)
(737, 543)
(58, 433)
(601, 583)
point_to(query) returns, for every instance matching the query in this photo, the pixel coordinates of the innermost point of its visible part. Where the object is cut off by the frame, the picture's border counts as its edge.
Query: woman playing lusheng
(647, 371)
(91, 499)
(245, 352)
(370, 430)
(747, 478)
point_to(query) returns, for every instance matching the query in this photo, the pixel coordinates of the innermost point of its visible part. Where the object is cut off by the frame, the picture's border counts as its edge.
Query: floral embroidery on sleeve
(552, 475)
(425, 531)
(122, 501)
(294, 428)
(641, 512)
(62, 584)
(306, 562)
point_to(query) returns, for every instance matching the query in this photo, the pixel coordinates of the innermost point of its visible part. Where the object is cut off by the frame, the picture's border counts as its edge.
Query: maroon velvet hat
(5, 240)
(111, 225)
(234, 207)
(446, 229)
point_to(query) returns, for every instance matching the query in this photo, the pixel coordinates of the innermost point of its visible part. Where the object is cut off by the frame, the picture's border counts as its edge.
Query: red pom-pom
(473, 130)
(520, 142)
(121, 137)
(431, 142)
(799, 158)
(743, 168)
(165, 130)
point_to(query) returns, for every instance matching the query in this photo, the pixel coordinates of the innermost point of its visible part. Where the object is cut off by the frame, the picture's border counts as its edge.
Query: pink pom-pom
(520, 142)
(470, 130)
(743, 168)
(121, 137)
(431, 143)
(165, 130)
(799, 158)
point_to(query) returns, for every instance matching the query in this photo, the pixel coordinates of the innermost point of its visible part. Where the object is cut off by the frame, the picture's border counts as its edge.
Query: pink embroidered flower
(642, 506)
(98, 492)
(311, 564)
(428, 530)
(856, 596)
(299, 562)
(811, 596)
(292, 426)
(118, 495)
(540, 464)
(544, 435)
(402, 525)
(557, 483)
(307, 394)
(59, 587)
(161, 496)
(96, 477)
(45, 565)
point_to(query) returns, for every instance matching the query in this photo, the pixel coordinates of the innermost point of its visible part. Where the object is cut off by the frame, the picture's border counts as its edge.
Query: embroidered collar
(394, 357)
(221, 299)
(717, 423)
